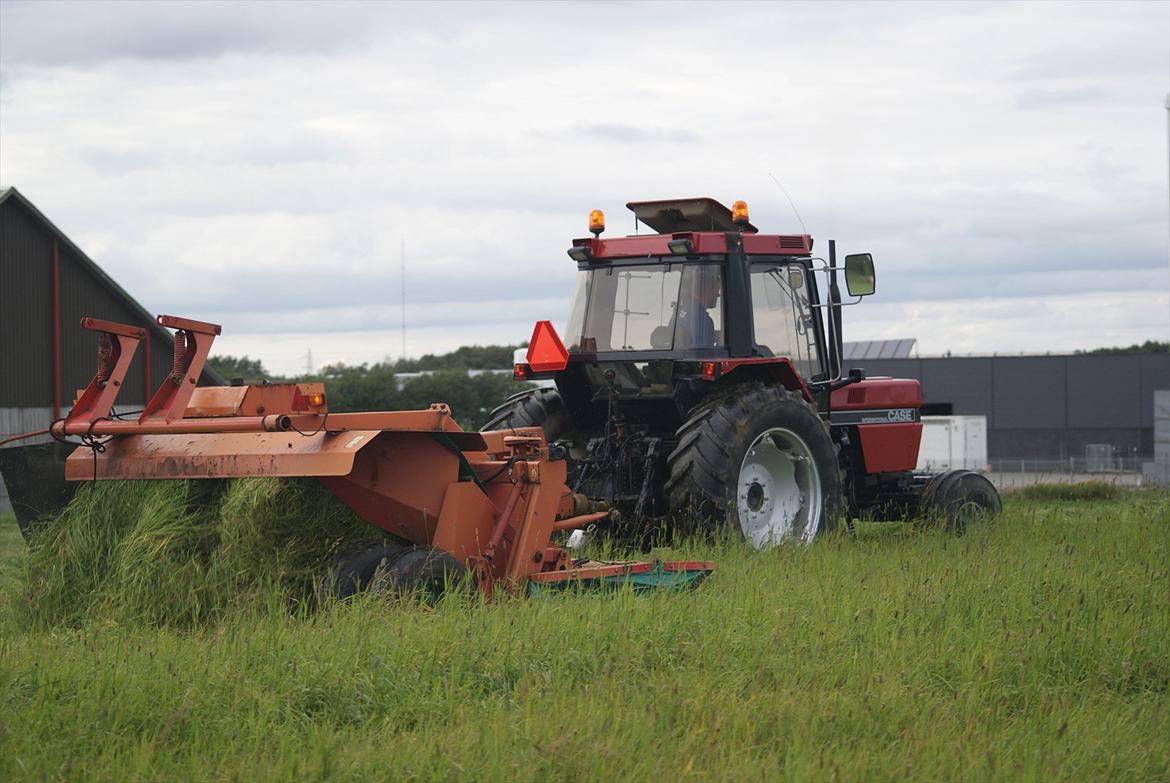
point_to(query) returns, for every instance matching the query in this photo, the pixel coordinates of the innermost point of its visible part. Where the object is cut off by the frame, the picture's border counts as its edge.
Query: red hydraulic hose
(24, 436)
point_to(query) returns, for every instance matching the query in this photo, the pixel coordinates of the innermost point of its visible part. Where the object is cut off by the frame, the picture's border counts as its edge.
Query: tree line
(1149, 346)
(377, 387)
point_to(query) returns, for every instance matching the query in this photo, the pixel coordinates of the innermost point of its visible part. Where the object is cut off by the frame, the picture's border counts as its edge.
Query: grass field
(1037, 649)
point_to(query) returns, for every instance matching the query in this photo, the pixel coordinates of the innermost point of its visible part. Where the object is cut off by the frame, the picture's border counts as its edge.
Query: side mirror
(859, 275)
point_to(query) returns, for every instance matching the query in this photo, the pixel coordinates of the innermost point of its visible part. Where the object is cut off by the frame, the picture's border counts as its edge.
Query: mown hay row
(181, 553)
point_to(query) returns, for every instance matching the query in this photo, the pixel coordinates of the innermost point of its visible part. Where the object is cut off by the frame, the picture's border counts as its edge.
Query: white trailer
(953, 443)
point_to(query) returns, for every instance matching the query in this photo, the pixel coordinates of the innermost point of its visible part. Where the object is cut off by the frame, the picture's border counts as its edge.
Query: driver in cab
(696, 328)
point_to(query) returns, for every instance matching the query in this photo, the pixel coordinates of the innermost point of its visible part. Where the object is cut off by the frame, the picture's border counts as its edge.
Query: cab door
(782, 317)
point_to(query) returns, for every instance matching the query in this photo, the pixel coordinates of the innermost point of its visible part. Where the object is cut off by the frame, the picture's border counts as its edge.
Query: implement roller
(490, 501)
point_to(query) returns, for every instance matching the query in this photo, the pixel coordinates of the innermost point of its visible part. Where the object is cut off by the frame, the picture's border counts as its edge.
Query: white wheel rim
(969, 514)
(779, 495)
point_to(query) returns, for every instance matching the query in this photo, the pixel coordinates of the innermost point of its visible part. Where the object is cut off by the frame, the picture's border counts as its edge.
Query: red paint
(704, 242)
(778, 244)
(147, 388)
(546, 352)
(56, 316)
(170, 400)
(779, 367)
(875, 393)
(889, 447)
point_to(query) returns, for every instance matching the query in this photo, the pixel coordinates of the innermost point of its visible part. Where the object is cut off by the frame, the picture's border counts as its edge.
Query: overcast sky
(260, 165)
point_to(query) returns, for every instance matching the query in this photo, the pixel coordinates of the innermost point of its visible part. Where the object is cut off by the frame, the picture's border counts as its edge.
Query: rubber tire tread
(704, 466)
(354, 573)
(947, 491)
(531, 408)
(421, 568)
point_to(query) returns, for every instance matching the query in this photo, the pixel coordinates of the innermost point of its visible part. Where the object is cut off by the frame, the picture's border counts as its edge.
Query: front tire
(760, 458)
(960, 500)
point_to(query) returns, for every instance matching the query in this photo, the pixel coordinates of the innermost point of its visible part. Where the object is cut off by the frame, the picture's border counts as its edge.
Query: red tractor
(701, 378)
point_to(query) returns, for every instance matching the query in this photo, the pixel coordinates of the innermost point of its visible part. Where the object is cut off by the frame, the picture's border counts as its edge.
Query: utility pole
(403, 256)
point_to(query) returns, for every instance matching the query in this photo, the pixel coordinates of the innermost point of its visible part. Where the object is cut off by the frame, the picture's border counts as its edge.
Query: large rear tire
(759, 458)
(531, 408)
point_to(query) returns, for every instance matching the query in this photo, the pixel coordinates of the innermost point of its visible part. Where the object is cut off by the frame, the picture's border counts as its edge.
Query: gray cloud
(1043, 98)
(90, 31)
(263, 162)
(632, 134)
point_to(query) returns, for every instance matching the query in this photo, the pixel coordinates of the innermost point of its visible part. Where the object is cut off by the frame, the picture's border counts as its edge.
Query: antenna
(403, 252)
(785, 192)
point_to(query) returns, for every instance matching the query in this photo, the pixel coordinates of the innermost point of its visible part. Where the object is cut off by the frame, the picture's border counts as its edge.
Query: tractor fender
(767, 369)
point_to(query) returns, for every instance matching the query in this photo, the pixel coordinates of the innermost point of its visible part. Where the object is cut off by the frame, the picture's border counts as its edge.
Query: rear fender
(774, 370)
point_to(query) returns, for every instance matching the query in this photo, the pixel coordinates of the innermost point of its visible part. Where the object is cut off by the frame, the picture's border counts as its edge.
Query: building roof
(103, 279)
(878, 349)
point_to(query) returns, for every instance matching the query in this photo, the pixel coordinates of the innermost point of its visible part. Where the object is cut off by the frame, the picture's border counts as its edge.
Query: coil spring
(180, 352)
(105, 357)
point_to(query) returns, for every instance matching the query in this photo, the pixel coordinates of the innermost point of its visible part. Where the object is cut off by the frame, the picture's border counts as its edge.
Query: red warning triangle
(546, 352)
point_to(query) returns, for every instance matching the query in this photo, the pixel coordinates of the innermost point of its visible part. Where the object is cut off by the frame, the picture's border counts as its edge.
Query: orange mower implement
(489, 501)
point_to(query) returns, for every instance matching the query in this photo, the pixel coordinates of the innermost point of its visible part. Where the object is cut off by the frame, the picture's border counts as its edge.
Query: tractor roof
(669, 216)
(703, 221)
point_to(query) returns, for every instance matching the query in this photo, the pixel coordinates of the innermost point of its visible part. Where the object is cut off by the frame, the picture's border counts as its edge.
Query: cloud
(265, 163)
(1044, 98)
(632, 134)
(80, 32)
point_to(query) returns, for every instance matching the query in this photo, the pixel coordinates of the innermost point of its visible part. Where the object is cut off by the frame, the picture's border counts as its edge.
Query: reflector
(546, 352)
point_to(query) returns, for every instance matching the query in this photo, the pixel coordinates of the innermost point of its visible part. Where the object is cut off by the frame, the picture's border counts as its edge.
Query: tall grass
(1083, 490)
(183, 552)
(1036, 648)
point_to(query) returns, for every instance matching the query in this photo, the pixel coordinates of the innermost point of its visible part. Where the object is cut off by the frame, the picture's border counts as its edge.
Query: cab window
(782, 317)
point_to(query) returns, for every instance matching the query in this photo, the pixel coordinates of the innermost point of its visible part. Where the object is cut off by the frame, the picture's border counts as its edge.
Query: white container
(953, 443)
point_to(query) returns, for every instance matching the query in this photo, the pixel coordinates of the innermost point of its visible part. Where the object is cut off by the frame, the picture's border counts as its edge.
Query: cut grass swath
(180, 553)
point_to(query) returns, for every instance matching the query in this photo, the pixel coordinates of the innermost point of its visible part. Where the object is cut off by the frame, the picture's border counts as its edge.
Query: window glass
(700, 308)
(633, 308)
(782, 316)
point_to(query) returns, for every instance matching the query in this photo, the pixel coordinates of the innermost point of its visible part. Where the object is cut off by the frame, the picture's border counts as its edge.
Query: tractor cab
(671, 314)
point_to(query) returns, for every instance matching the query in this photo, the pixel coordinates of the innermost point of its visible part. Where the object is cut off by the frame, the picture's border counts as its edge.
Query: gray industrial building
(1052, 410)
(46, 285)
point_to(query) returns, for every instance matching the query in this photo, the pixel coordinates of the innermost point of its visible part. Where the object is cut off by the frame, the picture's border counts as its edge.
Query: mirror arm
(856, 375)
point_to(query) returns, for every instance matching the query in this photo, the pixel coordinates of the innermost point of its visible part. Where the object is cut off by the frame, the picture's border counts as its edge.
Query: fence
(1094, 463)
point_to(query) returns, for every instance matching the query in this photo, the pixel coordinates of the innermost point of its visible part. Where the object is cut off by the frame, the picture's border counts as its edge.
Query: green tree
(1149, 346)
(379, 388)
(468, 357)
(228, 367)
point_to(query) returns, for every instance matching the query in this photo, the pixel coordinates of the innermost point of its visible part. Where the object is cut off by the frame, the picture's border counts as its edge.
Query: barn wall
(26, 345)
